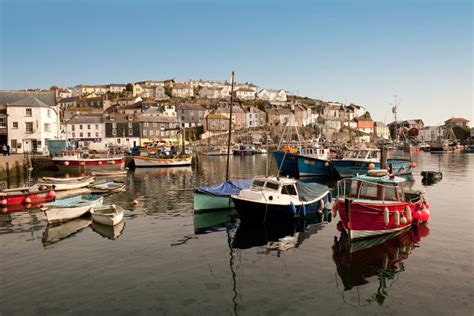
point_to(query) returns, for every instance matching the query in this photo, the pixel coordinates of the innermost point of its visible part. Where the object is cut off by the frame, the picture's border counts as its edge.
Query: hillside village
(136, 114)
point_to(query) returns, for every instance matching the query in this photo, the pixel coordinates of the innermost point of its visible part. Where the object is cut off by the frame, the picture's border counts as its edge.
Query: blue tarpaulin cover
(310, 191)
(225, 188)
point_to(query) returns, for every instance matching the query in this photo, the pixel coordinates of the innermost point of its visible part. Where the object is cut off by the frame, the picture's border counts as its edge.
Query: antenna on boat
(230, 125)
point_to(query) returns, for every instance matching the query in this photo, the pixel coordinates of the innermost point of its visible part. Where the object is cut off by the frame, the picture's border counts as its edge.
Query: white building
(31, 122)
(213, 93)
(272, 95)
(430, 133)
(117, 87)
(87, 89)
(381, 130)
(245, 94)
(182, 91)
(81, 130)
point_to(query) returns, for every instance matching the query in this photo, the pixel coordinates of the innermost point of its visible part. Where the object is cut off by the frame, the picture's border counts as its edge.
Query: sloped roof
(81, 119)
(190, 106)
(29, 100)
(457, 120)
(9, 97)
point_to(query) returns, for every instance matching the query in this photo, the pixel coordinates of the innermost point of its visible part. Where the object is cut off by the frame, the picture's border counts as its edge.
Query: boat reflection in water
(57, 232)
(214, 221)
(109, 232)
(381, 257)
(279, 237)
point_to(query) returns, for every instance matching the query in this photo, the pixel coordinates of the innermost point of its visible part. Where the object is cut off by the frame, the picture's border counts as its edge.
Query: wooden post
(383, 158)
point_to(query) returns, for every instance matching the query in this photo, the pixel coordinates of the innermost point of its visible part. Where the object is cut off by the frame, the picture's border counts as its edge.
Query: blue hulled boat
(360, 161)
(303, 162)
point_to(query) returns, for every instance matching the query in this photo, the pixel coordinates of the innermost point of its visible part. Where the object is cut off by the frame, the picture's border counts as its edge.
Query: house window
(118, 140)
(29, 112)
(130, 132)
(29, 127)
(182, 118)
(96, 134)
(151, 132)
(80, 126)
(88, 126)
(146, 124)
(144, 132)
(73, 135)
(13, 143)
(49, 113)
(47, 127)
(96, 126)
(81, 135)
(73, 127)
(3, 122)
(15, 125)
(130, 125)
(89, 134)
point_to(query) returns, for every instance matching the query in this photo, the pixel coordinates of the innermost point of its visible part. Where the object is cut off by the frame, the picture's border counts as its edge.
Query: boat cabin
(314, 152)
(372, 188)
(278, 185)
(363, 154)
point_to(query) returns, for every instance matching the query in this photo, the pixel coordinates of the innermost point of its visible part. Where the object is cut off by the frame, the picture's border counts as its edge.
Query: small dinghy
(110, 173)
(67, 185)
(56, 179)
(108, 187)
(62, 210)
(109, 215)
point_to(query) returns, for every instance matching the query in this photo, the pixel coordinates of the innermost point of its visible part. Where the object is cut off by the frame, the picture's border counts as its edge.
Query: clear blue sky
(349, 51)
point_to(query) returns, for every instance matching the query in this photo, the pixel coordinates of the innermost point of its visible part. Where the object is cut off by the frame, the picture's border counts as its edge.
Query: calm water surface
(164, 260)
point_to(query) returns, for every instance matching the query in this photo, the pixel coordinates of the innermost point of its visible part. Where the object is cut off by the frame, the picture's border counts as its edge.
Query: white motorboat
(146, 162)
(108, 187)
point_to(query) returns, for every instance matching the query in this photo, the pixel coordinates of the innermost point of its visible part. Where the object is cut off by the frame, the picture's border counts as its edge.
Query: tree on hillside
(129, 87)
(168, 90)
(54, 88)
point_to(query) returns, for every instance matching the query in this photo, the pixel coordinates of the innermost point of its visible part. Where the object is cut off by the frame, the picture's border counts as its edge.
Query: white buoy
(408, 214)
(386, 216)
(403, 220)
(396, 218)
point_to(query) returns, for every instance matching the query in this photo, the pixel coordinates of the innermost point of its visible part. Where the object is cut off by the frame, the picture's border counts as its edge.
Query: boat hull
(349, 168)
(108, 220)
(147, 162)
(311, 167)
(259, 212)
(287, 163)
(68, 185)
(58, 214)
(203, 202)
(366, 219)
(82, 164)
(35, 197)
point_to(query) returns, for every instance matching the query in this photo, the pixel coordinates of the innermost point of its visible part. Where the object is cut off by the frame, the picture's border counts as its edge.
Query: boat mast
(394, 111)
(230, 126)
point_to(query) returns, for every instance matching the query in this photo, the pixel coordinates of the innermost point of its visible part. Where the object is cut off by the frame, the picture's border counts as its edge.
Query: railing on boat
(396, 195)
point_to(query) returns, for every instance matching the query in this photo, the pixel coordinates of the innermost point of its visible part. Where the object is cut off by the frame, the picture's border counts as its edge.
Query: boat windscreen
(272, 186)
(257, 184)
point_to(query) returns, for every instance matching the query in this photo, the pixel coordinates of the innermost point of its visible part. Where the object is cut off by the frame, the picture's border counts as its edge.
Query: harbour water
(163, 260)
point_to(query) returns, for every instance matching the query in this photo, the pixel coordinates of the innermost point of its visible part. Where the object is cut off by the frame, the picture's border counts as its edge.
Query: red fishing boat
(377, 204)
(76, 160)
(28, 195)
